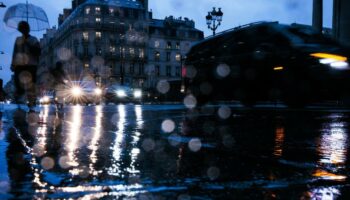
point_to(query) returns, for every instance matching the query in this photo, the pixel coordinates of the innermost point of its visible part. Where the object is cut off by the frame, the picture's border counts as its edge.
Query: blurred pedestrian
(59, 82)
(25, 61)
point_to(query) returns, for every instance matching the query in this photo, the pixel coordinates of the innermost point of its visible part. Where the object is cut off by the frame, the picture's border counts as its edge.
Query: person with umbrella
(25, 61)
(26, 17)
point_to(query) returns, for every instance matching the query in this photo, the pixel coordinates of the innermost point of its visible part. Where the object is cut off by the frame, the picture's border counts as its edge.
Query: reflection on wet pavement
(151, 151)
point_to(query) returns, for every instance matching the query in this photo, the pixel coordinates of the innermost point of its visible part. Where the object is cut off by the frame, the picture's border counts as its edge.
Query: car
(82, 92)
(268, 61)
(117, 93)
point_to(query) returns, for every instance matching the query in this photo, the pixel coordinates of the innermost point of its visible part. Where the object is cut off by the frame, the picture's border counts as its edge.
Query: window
(168, 70)
(98, 51)
(156, 44)
(111, 12)
(157, 56)
(141, 53)
(86, 50)
(87, 10)
(168, 56)
(132, 52)
(98, 35)
(86, 65)
(112, 49)
(177, 46)
(76, 50)
(97, 10)
(168, 46)
(178, 71)
(98, 19)
(85, 36)
(178, 57)
(157, 70)
(141, 69)
(132, 68)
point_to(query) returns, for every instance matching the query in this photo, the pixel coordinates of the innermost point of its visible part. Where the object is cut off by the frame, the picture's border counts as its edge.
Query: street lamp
(2, 5)
(213, 17)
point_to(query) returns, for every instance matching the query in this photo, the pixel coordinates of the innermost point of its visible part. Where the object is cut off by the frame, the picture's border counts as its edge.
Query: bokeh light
(195, 144)
(168, 125)
(190, 101)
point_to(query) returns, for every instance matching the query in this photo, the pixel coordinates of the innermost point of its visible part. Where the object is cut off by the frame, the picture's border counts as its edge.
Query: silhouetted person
(25, 61)
(59, 76)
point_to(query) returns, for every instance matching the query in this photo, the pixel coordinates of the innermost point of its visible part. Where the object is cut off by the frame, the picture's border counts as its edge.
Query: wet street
(170, 152)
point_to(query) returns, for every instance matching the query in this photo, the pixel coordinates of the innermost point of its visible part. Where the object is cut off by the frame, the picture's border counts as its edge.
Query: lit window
(178, 57)
(97, 10)
(112, 49)
(168, 70)
(141, 53)
(157, 56)
(177, 45)
(98, 35)
(168, 46)
(156, 44)
(98, 19)
(86, 65)
(132, 52)
(111, 11)
(87, 10)
(85, 35)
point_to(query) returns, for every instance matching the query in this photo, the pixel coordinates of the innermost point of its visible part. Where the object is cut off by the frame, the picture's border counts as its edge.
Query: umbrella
(34, 15)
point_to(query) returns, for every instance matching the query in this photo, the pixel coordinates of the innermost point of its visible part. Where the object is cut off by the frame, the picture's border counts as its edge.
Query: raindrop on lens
(64, 162)
(191, 72)
(47, 163)
(64, 54)
(163, 86)
(224, 112)
(223, 70)
(38, 150)
(84, 172)
(168, 125)
(148, 144)
(190, 101)
(213, 173)
(195, 144)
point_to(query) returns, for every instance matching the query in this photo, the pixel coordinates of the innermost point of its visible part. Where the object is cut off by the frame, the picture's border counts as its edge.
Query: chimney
(317, 15)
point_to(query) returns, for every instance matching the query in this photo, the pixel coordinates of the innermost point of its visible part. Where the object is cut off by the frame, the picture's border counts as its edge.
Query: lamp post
(2, 5)
(214, 19)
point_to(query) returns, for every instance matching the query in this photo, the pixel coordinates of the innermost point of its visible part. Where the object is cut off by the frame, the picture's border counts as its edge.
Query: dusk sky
(236, 12)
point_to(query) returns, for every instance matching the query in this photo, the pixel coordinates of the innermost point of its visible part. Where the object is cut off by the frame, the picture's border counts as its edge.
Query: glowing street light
(213, 17)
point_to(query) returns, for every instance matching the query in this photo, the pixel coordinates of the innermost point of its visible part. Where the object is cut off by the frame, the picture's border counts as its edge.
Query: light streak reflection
(332, 149)
(118, 143)
(279, 140)
(94, 142)
(73, 137)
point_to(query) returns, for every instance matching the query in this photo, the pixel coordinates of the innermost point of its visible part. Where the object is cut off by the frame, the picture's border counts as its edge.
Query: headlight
(121, 93)
(76, 91)
(137, 94)
(334, 61)
(98, 91)
(46, 99)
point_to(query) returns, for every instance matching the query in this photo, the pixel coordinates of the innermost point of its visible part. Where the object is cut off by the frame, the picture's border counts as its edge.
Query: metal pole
(27, 10)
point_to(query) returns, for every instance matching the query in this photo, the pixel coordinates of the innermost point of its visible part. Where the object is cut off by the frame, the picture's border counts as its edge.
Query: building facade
(117, 41)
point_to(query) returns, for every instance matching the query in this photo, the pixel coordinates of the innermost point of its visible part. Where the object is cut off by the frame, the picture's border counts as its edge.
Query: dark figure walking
(59, 76)
(24, 64)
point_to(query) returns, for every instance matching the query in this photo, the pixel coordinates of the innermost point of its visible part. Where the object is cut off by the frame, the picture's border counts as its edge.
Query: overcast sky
(236, 12)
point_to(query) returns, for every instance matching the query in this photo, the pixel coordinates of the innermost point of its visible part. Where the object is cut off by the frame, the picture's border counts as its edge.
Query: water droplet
(191, 71)
(223, 70)
(64, 54)
(190, 101)
(64, 162)
(213, 173)
(168, 125)
(195, 144)
(47, 163)
(148, 144)
(163, 86)
(224, 112)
